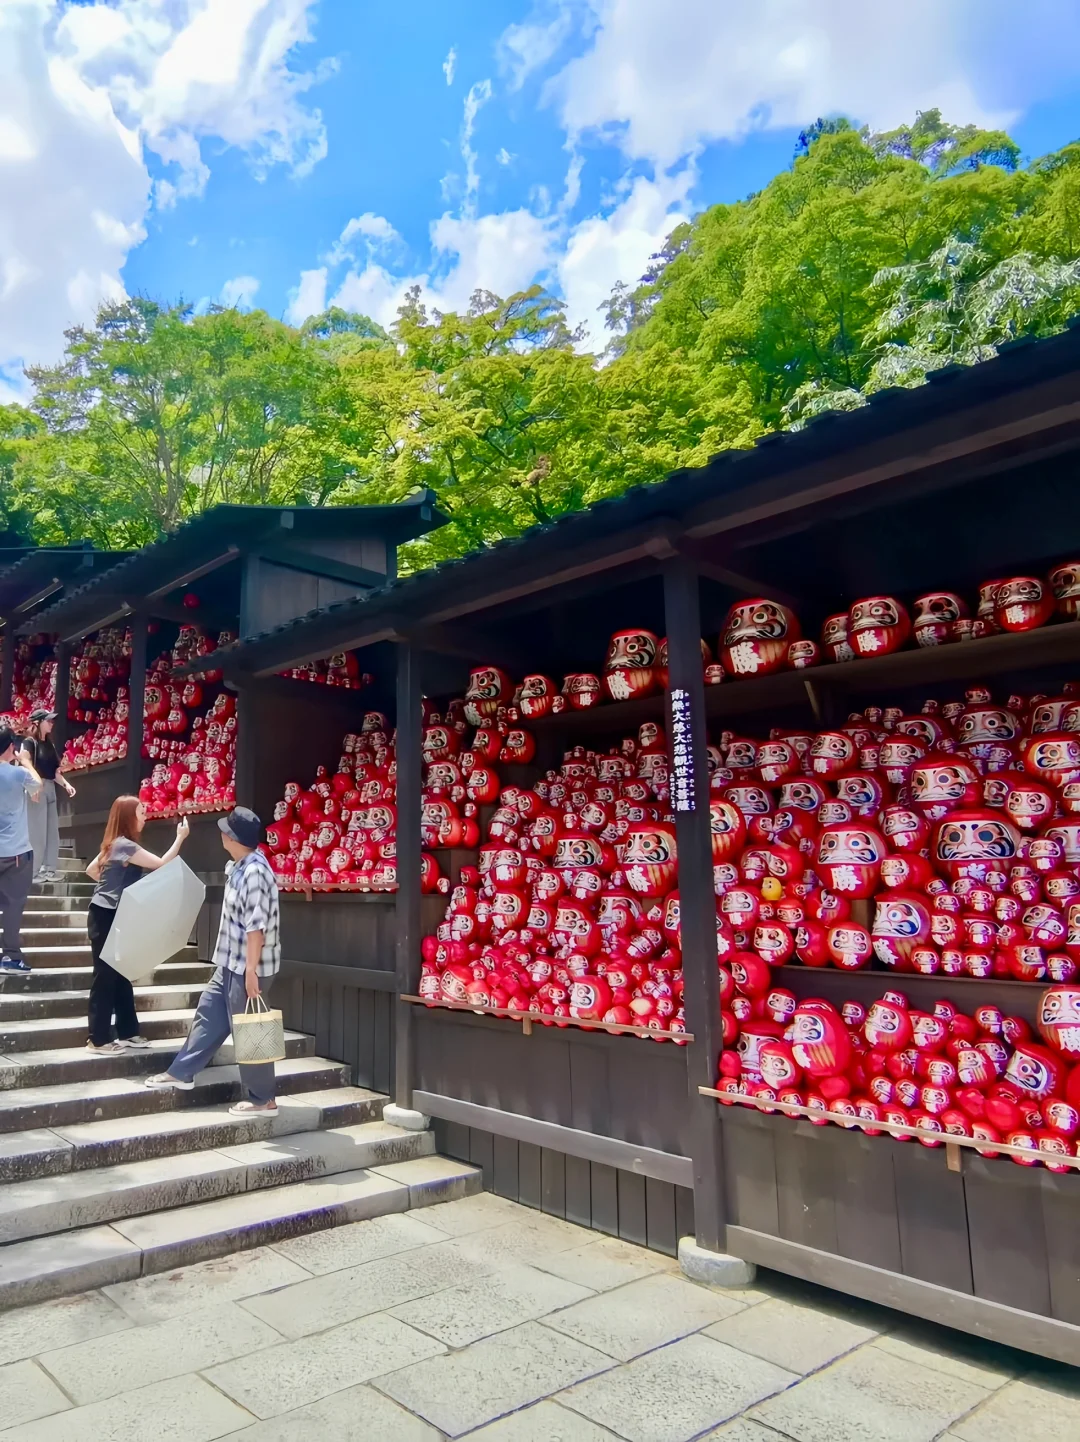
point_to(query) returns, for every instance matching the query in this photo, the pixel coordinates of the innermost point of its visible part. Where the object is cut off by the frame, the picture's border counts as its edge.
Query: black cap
(243, 826)
(42, 713)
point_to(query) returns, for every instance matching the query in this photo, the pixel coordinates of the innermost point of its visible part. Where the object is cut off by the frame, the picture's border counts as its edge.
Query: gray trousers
(225, 994)
(44, 823)
(16, 879)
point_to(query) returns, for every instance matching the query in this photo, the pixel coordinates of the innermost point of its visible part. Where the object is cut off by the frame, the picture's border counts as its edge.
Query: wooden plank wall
(607, 1199)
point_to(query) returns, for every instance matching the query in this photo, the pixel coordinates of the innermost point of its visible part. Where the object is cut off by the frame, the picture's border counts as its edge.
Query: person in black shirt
(44, 821)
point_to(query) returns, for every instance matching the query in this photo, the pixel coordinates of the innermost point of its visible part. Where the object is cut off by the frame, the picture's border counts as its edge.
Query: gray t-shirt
(15, 782)
(116, 874)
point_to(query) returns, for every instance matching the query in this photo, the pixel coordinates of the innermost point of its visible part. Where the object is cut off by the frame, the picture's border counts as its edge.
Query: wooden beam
(209, 617)
(311, 564)
(407, 917)
(589, 1146)
(469, 643)
(363, 978)
(215, 563)
(732, 579)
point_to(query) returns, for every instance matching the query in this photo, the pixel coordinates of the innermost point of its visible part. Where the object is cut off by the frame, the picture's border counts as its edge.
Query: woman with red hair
(120, 861)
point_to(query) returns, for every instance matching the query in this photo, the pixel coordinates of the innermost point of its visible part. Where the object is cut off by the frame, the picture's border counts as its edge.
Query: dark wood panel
(530, 1189)
(932, 1216)
(660, 1225)
(1061, 1207)
(590, 1100)
(633, 1226)
(482, 1155)
(1009, 1261)
(604, 1185)
(339, 930)
(805, 1186)
(505, 1168)
(867, 1229)
(578, 1191)
(684, 1213)
(750, 1170)
(553, 1182)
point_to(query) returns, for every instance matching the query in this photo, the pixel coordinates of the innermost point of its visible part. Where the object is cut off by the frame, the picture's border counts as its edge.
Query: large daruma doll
(630, 668)
(650, 858)
(756, 637)
(974, 843)
(849, 859)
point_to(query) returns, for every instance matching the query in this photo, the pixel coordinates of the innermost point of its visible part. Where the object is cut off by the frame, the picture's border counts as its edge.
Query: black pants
(16, 879)
(109, 991)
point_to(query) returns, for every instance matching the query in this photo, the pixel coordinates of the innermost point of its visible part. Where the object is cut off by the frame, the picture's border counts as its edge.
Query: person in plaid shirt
(247, 957)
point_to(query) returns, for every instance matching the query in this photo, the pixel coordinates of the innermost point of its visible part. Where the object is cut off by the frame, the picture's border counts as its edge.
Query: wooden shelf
(530, 1019)
(986, 659)
(1015, 998)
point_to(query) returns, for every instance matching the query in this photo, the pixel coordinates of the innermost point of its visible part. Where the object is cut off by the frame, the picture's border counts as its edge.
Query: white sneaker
(163, 1082)
(132, 1043)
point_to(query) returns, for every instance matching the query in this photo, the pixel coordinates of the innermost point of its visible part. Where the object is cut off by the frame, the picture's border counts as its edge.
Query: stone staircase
(102, 1180)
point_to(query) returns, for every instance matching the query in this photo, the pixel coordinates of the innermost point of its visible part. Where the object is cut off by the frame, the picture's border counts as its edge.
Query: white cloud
(664, 79)
(503, 156)
(528, 47)
(85, 90)
(449, 66)
(375, 231)
(479, 95)
(239, 292)
(308, 298)
(604, 249)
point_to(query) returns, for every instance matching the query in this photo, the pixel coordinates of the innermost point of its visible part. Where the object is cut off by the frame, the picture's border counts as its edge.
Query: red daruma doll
(756, 637)
(849, 859)
(650, 858)
(630, 667)
(820, 1043)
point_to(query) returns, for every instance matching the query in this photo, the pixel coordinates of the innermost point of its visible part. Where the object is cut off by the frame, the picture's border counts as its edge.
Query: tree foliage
(872, 260)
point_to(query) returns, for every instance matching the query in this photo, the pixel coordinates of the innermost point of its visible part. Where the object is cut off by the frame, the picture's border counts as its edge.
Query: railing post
(697, 904)
(137, 696)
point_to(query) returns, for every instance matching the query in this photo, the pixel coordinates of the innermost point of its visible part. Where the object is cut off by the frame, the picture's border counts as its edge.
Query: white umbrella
(154, 920)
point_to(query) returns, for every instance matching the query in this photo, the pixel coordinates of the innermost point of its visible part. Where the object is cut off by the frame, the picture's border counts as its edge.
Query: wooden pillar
(137, 693)
(409, 859)
(697, 905)
(7, 665)
(63, 691)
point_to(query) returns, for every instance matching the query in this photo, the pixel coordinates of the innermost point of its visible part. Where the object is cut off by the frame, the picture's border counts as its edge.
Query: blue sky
(288, 153)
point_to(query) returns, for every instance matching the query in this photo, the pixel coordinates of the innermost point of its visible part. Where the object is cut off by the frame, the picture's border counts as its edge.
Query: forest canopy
(872, 260)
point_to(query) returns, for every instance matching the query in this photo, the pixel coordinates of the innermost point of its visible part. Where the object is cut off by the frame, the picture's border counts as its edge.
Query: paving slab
(295, 1374)
(802, 1339)
(1035, 1410)
(359, 1242)
(605, 1263)
(526, 1239)
(205, 1284)
(506, 1298)
(546, 1422)
(743, 1430)
(91, 1371)
(871, 1395)
(678, 1392)
(476, 1214)
(338, 1297)
(49, 1325)
(26, 1393)
(460, 1391)
(642, 1315)
(185, 1409)
(943, 1350)
(357, 1414)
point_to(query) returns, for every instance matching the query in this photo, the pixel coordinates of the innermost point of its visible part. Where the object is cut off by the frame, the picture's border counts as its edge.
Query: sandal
(252, 1109)
(110, 1048)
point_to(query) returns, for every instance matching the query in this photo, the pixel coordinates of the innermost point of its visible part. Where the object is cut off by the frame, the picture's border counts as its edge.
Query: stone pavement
(479, 1318)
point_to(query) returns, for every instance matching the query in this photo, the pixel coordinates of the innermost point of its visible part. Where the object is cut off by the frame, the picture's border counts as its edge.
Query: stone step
(55, 920)
(49, 1032)
(26, 1006)
(122, 1140)
(45, 1267)
(75, 953)
(65, 889)
(54, 901)
(105, 1098)
(66, 864)
(60, 978)
(60, 1065)
(48, 1205)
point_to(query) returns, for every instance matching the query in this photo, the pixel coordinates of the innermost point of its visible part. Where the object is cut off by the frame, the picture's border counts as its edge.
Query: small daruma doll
(1065, 584)
(849, 859)
(488, 687)
(650, 858)
(901, 923)
(727, 827)
(877, 626)
(1022, 604)
(1059, 1020)
(936, 615)
(974, 843)
(538, 695)
(756, 637)
(630, 667)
